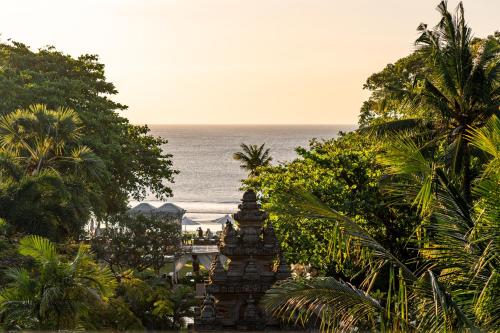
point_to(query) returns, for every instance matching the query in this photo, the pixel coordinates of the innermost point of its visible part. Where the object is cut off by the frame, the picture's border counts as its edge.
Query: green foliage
(133, 162)
(113, 314)
(455, 283)
(396, 89)
(9, 256)
(177, 305)
(387, 99)
(45, 176)
(324, 300)
(57, 293)
(158, 306)
(345, 175)
(66, 156)
(40, 139)
(457, 87)
(252, 157)
(444, 162)
(137, 242)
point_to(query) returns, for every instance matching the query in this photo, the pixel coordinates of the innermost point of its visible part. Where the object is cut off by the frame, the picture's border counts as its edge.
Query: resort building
(168, 210)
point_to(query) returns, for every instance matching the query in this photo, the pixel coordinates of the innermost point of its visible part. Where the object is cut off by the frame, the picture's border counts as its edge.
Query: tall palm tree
(252, 157)
(461, 88)
(58, 294)
(455, 286)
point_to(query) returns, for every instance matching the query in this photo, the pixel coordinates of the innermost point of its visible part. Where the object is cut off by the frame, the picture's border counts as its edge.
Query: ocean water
(209, 180)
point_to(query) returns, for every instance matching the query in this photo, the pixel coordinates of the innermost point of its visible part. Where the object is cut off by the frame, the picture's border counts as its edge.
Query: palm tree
(456, 281)
(461, 88)
(58, 294)
(45, 173)
(252, 157)
(42, 139)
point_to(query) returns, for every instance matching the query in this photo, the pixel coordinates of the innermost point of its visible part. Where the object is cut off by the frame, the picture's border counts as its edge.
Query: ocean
(209, 179)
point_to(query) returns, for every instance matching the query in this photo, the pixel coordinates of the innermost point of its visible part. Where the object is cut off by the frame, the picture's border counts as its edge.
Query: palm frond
(38, 248)
(394, 126)
(253, 157)
(335, 304)
(405, 159)
(443, 314)
(304, 204)
(487, 139)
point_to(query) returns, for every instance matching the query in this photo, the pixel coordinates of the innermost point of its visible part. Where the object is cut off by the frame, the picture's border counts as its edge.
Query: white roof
(170, 208)
(143, 208)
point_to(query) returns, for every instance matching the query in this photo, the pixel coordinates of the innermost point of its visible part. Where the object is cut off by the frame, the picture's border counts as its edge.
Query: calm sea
(209, 180)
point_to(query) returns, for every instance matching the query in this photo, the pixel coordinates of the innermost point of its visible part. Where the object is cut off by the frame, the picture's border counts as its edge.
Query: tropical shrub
(137, 242)
(155, 302)
(344, 174)
(57, 293)
(115, 315)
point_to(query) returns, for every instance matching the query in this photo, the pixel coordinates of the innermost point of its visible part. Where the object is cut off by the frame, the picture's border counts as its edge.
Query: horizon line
(240, 124)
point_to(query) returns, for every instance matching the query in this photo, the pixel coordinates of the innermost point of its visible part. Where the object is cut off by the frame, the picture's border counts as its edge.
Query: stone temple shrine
(254, 264)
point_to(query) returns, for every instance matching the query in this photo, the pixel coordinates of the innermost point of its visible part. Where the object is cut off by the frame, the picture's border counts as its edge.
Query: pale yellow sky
(235, 61)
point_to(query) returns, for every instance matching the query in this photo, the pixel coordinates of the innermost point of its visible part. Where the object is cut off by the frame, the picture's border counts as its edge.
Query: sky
(235, 61)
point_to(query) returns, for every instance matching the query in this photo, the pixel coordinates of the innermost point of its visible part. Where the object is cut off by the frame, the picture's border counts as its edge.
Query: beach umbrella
(187, 221)
(223, 220)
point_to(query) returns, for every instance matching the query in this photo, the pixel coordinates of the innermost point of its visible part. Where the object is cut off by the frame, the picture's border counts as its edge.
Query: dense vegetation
(407, 208)
(66, 159)
(137, 242)
(395, 224)
(345, 175)
(133, 162)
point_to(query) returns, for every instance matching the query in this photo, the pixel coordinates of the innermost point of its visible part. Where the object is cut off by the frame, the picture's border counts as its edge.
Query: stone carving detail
(250, 313)
(250, 236)
(251, 271)
(283, 271)
(229, 236)
(217, 271)
(251, 251)
(207, 316)
(270, 240)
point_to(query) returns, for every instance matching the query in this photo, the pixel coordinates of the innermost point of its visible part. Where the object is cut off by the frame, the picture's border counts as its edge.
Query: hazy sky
(235, 61)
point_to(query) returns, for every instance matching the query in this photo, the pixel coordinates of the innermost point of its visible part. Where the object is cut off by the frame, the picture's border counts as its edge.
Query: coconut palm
(460, 89)
(57, 295)
(456, 281)
(252, 157)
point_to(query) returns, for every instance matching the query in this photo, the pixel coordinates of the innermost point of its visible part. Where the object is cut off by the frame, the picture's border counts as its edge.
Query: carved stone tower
(254, 264)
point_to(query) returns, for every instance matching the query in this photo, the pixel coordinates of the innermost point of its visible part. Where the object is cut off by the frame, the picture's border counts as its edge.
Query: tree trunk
(467, 182)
